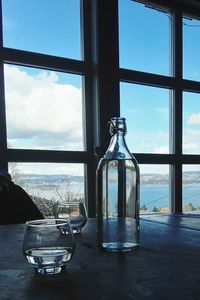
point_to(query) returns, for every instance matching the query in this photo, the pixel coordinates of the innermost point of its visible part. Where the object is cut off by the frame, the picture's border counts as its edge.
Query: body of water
(150, 195)
(158, 195)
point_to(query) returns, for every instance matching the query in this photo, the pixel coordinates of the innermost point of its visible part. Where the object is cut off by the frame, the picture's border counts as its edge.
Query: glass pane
(48, 183)
(147, 112)
(43, 109)
(143, 38)
(191, 123)
(191, 49)
(49, 27)
(154, 189)
(191, 189)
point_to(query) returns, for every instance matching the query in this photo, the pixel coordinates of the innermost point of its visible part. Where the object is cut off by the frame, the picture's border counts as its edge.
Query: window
(46, 104)
(48, 27)
(63, 78)
(191, 48)
(44, 109)
(144, 37)
(191, 189)
(50, 183)
(191, 123)
(154, 189)
(162, 115)
(139, 103)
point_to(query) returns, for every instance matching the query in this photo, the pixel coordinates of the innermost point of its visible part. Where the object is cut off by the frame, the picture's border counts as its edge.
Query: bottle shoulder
(118, 150)
(118, 155)
(113, 161)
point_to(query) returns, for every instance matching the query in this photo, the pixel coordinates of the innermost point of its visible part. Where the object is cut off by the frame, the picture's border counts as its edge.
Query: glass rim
(118, 119)
(47, 222)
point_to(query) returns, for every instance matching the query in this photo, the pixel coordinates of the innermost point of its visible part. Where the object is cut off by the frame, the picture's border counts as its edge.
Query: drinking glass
(48, 245)
(76, 212)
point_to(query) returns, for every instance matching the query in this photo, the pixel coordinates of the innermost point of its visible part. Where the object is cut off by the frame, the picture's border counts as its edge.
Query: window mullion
(3, 143)
(107, 62)
(176, 114)
(89, 104)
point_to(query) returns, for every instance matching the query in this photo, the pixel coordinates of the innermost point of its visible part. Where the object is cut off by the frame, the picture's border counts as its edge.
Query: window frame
(102, 76)
(55, 63)
(177, 85)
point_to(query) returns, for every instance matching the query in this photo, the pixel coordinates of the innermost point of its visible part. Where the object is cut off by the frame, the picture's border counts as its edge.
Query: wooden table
(167, 266)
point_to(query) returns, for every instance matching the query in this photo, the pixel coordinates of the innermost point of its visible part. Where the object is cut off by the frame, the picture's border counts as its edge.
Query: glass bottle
(118, 194)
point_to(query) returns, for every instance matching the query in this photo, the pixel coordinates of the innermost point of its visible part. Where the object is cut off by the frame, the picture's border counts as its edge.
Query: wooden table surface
(167, 266)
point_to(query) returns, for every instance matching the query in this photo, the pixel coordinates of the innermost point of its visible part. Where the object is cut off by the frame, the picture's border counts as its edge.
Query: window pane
(191, 49)
(48, 183)
(154, 189)
(43, 109)
(191, 123)
(143, 38)
(147, 112)
(191, 189)
(49, 27)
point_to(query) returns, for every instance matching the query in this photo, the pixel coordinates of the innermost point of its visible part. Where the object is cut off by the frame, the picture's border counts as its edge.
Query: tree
(47, 206)
(155, 209)
(14, 172)
(190, 207)
(143, 207)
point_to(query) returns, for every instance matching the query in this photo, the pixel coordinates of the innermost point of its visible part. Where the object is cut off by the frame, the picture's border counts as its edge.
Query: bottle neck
(117, 148)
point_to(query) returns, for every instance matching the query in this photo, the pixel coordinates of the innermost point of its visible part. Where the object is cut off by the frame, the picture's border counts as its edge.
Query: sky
(48, 114)
(42, 112)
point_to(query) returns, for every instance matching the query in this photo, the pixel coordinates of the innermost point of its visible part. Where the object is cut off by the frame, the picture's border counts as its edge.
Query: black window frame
(102, 77)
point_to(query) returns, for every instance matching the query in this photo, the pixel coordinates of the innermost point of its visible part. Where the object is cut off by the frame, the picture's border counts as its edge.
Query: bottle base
(119, 246)
(49, 270)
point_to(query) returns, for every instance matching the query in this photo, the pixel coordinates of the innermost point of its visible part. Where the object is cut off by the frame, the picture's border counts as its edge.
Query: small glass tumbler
(76, 212)
(48, 245)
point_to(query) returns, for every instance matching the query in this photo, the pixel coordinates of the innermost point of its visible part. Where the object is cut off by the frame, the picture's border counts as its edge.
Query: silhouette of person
(16, 206)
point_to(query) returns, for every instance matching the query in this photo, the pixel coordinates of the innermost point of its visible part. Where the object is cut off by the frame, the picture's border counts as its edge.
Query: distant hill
(148, 178)
(34, 179)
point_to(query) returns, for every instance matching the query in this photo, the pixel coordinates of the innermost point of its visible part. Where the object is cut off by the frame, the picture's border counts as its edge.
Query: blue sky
(47, 26)
(53, 27)
(144, 38)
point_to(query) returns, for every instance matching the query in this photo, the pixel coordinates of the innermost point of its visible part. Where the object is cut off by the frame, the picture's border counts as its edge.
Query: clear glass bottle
(118, 194)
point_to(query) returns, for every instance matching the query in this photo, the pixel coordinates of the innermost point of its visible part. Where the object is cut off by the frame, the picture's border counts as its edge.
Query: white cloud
(41, 112)
(147, 141)
(49, 168)
(194, 119)
(156, 169)
(161, 149)
(191, 141)
(191, 147)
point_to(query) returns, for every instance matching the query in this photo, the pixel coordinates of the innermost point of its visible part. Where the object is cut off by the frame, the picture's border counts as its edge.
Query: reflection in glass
(49, 183)
(154, 189)
(43, 109)
(75, 211)
(144, 37)
(146, 110)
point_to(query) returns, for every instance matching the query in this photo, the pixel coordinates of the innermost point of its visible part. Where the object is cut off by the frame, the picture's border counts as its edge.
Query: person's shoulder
(5, 181)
